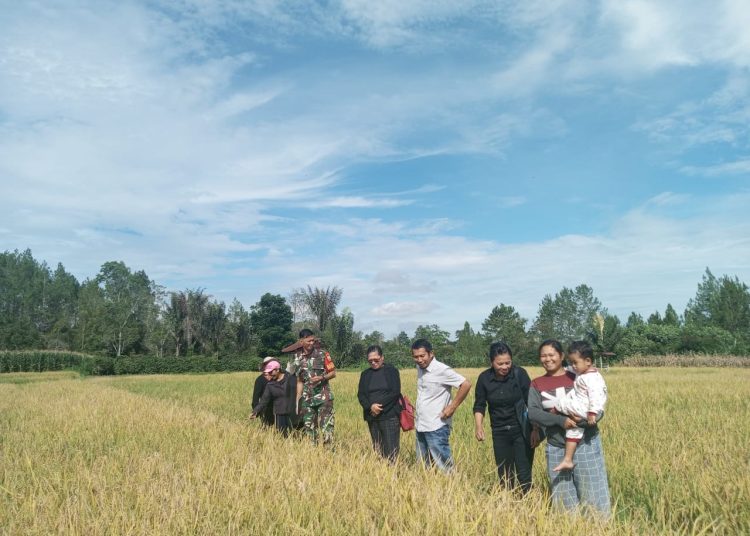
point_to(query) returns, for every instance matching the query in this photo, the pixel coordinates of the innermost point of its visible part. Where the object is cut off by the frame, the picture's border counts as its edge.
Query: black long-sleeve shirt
(381, 386)
(505, 396)
(260, 384)
(283, 395)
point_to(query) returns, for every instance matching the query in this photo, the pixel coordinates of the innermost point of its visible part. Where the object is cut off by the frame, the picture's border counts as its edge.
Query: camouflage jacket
(316, 363)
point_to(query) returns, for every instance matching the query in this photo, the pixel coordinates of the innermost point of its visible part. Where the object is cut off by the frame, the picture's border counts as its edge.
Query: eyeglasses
(377, 360)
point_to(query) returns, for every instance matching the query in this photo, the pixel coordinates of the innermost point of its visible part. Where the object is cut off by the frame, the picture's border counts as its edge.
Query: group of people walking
(562, 406)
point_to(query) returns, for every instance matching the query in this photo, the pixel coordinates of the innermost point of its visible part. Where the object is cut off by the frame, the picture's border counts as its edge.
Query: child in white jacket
(587, 398)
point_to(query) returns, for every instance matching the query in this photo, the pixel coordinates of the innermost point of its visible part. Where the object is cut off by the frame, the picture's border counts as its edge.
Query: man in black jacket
(378, 393)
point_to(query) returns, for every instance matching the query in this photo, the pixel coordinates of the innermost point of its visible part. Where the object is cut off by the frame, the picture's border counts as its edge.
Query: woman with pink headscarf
(281, 390)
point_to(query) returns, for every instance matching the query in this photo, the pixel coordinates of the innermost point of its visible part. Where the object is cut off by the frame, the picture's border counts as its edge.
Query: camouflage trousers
(318, 419)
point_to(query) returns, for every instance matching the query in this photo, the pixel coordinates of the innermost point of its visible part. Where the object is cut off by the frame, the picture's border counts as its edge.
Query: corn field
(177, 455)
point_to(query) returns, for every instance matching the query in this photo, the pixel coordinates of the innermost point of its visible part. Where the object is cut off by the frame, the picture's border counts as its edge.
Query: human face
(501, 364)
(273, 375)
(579, 363)
(551, 360)
(375, 360)
(308, 343)
(422, 357)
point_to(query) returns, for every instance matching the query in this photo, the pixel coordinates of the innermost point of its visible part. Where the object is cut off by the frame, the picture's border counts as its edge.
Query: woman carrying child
(585, 485)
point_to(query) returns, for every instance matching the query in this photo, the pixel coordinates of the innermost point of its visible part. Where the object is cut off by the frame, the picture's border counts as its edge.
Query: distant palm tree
(322, 303)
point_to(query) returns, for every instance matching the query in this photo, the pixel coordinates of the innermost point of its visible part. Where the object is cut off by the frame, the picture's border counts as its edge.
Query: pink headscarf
(271, 365)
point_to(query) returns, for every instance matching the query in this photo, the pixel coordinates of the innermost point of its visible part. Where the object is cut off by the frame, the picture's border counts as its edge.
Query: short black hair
(499, 348)
(305, 332)
(421, 343)
(582, 348)
(374, 348)
(554, 343)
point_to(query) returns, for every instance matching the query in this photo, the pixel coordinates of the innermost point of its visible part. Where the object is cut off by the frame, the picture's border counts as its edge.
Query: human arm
(597, 389)
(537, 414)
(329, 370)
(260, 383)
(524, 382)
(262, 403)
(393, 383)
(362, 390)
(479, 425)
(300, 387)
(480, 403)
(323, 377)
(451, 408)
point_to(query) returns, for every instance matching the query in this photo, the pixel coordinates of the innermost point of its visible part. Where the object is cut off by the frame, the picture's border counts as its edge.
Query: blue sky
(433, 159)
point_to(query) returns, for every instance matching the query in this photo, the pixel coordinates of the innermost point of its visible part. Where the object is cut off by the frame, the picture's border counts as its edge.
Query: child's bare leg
(567, 463)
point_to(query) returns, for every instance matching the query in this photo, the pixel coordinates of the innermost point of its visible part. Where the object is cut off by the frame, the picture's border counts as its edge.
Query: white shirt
(434, 393)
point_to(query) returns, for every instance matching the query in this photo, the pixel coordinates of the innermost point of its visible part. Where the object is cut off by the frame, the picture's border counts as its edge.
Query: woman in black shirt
(504, 389)
(378, 393)
(280, 394)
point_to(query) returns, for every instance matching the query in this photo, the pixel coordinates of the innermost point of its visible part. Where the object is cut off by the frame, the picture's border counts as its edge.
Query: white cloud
(362, 202)
(720, 120)
(738, 167)
(396, 309)
(393, 278)
(133, 133)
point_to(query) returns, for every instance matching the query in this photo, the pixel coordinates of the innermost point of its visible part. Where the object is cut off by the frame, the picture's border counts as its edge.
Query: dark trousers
(386, 437)
(513, 456)
(283, 425)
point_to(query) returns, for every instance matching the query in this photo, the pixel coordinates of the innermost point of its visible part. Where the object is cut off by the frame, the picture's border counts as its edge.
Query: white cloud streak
(135, 133)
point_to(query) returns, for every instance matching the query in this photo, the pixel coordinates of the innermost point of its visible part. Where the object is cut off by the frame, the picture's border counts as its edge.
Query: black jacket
(521, 378)
(283, 394)
(260, 385)
(391, 407)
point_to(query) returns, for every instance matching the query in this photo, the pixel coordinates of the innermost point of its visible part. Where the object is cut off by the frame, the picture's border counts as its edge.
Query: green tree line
(120, 312)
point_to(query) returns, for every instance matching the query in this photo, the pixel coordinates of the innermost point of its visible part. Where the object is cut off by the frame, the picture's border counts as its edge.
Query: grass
(176, 455)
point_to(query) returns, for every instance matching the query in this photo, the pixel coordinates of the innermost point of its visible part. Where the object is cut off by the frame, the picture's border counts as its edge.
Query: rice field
(177, 455)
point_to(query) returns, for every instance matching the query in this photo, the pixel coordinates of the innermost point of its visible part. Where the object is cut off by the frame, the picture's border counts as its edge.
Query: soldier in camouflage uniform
(316, 398)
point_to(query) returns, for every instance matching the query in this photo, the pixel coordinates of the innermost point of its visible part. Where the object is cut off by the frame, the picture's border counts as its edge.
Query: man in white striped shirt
(434, 406)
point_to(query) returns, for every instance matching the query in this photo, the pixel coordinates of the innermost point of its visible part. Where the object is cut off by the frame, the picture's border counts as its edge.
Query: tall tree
(569, 315)
(634, 320)
(607, 332)
(298, 303)
(214, 325)
(62, 309)
(654, 319)
(433, 333)
(194, 328)
(403, 339)
(671, 318)
(340, 337)
(322, 304)
(504, 323)
(721, 302)
(174, 316)
(470, 344)
(127, 298)
(239, 327)
(271, 320)
(23, 284)
(376, 337)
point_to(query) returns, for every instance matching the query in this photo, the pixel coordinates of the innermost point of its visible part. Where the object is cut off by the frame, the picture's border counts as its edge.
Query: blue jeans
(433, 448)
(586, 486)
